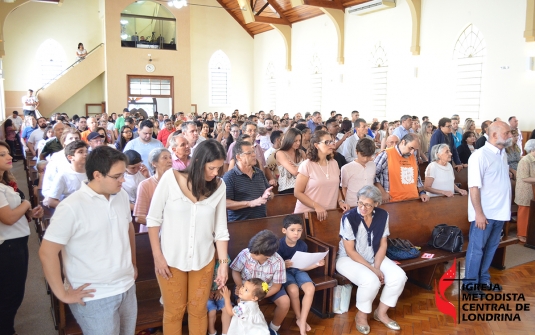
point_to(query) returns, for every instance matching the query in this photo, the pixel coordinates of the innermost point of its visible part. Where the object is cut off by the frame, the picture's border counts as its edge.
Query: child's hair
(264, 243)
(71, 148)
(292, 219)
(260, 288)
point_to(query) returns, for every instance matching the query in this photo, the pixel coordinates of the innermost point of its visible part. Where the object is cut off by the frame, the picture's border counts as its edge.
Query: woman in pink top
(318, 179)
(161, 161)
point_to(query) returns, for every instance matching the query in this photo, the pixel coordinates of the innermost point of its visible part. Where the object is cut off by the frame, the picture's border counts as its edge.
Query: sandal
(522, 239)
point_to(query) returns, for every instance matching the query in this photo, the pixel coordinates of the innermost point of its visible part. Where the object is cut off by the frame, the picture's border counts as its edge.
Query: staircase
(70, 81)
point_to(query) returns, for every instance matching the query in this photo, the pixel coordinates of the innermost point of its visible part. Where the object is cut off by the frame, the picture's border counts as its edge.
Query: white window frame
(379, 81)
(219, 78)
(469, 56)
(50, 60)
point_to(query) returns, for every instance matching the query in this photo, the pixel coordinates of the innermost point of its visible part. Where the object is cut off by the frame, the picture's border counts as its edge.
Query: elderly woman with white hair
(439, 176)
(362, 259)
(160, 160)
(525, 177)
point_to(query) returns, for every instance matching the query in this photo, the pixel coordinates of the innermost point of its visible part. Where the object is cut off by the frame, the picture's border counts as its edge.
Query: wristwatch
(421, 192)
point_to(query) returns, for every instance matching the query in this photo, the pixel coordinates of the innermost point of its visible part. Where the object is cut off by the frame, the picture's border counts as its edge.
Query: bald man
(489, 206)
(92, 126)
(391, 141)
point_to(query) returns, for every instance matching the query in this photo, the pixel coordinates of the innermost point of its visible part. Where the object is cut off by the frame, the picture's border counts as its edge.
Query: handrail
(68, 68)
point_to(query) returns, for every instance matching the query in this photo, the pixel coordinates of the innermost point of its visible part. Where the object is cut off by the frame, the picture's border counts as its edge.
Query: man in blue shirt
(314, 121)
(456, 131)
(29, 129)
(405, 127)
(247, 187)
(443, 135)
(144, 143)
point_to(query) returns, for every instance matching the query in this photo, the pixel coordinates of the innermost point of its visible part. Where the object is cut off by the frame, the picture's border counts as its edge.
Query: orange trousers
(522, 221)
(186, 289)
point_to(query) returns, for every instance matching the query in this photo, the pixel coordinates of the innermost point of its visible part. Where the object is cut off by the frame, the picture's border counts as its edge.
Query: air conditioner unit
(371, 6)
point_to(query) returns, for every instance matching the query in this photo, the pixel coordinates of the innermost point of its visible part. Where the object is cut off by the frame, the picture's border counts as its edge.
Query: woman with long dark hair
(14, 232)
(125, 136)
(188, 209)
(317, 184)
(288, 157)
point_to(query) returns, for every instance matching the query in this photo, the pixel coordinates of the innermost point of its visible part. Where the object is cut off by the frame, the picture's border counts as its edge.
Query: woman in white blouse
(189, 210)
(439, 176)
(14, 232)
(360, 172)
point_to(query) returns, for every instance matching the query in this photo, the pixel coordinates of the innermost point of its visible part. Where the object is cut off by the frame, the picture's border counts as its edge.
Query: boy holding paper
(297, 278)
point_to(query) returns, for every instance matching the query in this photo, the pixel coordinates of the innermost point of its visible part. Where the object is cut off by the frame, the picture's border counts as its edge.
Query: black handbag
(399, 249)
(449, 238)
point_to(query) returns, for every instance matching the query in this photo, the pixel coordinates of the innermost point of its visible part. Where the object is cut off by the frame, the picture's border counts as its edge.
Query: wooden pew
(150, 312)
(242, 231)
(281, 204)
(412, 220)
(530, 238)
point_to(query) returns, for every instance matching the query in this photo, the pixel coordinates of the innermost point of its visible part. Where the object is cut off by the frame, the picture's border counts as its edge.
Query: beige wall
(92, 93)
(30, 25)
(214, 29)
(432, 91)
(121, 62)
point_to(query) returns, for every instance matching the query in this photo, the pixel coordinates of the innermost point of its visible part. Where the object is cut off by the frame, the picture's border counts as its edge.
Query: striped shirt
(272, 271)
(242, 188)
(381, 171)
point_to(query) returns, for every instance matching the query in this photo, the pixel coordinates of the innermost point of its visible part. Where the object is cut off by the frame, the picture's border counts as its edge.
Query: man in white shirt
(513, 123)
(349, 147)
(17, 121)
(489, 205)
(69, 180)
(29, 103)
(93, 230)
(261, 119)
(265, 141)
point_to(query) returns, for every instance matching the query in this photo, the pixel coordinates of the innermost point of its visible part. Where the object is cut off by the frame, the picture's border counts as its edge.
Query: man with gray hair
(396, 172)
(314, 121)
(489, 205)
(405, 127)
(191, 133)
(181, 151)
(349, 148)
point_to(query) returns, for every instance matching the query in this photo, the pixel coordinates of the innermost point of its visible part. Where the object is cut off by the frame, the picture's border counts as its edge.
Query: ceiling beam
(262, 9)
(271, 20)
(324, 4)
(247, 11)
(235, 17)
(279, 10)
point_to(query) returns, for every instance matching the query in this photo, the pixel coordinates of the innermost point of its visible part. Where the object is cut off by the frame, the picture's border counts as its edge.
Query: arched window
(271, 86)
(379, 72)
(469, 54)
(316, 82)
(50, 60)
(219, 79)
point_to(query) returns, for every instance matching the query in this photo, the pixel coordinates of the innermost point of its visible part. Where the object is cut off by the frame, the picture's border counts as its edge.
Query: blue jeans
(112, 315)
(481, 248)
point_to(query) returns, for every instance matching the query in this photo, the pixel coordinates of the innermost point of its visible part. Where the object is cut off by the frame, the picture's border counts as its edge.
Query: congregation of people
(184, 177)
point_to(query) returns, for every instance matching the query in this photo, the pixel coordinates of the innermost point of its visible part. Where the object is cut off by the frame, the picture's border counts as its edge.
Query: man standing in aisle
(99, 285)
(489, 205)
(29, 103)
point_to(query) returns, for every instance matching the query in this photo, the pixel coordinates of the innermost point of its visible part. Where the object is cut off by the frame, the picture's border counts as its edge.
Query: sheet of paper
(303, 260)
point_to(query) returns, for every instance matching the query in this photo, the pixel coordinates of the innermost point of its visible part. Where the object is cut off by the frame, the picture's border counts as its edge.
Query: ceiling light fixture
(177, 3)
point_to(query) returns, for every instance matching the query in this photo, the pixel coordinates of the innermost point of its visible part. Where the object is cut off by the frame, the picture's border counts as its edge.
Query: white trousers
(368, 283)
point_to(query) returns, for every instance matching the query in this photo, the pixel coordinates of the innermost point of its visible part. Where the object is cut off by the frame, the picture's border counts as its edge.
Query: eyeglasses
(248, 153)
(119, 177)
(327, 142)
(363, 204)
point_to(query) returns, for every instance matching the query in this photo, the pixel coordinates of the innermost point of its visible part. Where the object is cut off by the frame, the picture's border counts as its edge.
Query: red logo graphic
(443, 304)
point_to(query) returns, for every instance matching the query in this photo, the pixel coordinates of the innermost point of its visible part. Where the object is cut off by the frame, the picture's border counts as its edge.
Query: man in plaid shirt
(260, 260)
(405, 183)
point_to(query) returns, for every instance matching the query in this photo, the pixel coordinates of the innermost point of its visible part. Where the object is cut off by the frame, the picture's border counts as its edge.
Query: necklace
(326, 174)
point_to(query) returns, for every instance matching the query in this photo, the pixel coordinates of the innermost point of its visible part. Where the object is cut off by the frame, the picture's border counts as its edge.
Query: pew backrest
(281, 204)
